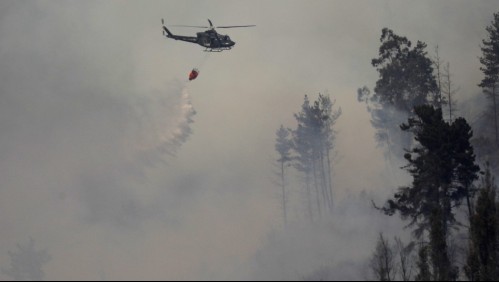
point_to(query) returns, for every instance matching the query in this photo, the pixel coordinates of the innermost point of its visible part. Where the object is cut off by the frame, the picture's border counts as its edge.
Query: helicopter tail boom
(169, 34)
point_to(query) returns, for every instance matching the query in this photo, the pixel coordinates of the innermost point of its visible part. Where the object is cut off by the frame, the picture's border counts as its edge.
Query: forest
(452, 164)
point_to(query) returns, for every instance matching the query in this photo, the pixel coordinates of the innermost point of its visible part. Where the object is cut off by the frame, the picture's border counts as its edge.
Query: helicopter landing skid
(217, 49)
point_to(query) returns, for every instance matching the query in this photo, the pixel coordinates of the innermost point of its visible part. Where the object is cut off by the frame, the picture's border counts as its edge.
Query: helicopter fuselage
(213, 40)
(210, 39)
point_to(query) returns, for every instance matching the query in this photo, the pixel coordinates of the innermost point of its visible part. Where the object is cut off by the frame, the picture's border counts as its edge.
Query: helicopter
(210, 38)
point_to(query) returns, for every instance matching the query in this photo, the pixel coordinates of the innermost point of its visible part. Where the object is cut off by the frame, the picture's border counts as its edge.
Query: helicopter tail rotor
(165, 30)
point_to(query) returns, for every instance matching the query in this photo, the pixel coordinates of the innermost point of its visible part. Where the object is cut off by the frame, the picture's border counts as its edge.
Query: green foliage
(482, 263)
(490, 69)
(423, 265)
(283, 144)
(487, 150)
(490, 58)
(406, 80)
(443, 168)
(406, 73)
(313, 140)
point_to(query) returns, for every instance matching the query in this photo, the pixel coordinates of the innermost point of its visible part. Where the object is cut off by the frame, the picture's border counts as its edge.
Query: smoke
(102, 164)
(79, 130)
(159, 123)
(162, 122)
(86, 142)
(332, 249)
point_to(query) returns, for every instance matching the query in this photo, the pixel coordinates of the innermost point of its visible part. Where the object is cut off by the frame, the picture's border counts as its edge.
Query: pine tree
(423, 265)
(482, 263)
(472, 267)
(283, 147)
(406, 73)
(303, 148)
(442, 268)
(490, 69)
(443, 168)
(27, 262)
(449, 91)
(313, 141)
(406, 80)
(438, 66)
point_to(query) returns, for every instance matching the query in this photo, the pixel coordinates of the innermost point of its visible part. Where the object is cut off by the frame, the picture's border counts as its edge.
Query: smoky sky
(122, 169)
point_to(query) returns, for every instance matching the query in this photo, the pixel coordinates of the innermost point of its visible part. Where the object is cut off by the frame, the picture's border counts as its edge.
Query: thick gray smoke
(80, 136)
(158, 123)
(162, 121)
(79, 133)
(102, 165)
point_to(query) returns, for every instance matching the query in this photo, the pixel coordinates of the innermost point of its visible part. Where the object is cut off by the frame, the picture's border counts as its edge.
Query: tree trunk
(309, 197)
(316, 185)
(325, 194)
(494, 100)
(330, 181)
(283, 194)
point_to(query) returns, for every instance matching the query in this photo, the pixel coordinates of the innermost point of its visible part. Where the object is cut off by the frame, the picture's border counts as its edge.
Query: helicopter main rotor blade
(234, 26)
(195, 26)
(210, 27)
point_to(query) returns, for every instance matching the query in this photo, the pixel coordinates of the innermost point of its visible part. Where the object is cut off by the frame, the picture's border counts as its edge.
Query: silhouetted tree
(443, 169)
(283, 147)
(482, 262)
(27, 262)
(302, 145)
(313, 140)
(437, 62)
(405, 264)
(382, 262)
(406, 80)
(423, 264)
(406, 73)
(490, 69)
(449, 91)
(443, 270)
